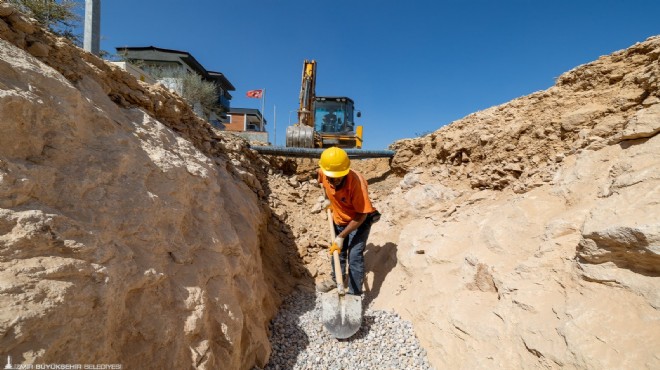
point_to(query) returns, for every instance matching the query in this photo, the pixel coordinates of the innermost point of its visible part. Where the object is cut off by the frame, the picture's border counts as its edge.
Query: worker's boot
(326, 286)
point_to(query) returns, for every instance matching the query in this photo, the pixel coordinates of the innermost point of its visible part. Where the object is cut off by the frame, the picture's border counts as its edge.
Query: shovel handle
(338, 274)
(331, 226)
(335, 256)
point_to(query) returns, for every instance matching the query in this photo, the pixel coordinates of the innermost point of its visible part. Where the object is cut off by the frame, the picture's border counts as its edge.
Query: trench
(297, 335)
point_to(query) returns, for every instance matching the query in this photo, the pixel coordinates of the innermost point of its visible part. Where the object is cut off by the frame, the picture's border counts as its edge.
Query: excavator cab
(334, 115)
(334, 122)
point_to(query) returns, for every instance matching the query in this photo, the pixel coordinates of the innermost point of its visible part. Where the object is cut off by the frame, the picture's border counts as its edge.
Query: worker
(352, 216)
(330, 122)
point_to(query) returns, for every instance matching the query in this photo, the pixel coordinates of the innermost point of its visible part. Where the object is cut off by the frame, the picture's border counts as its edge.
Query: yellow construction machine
(323, 121)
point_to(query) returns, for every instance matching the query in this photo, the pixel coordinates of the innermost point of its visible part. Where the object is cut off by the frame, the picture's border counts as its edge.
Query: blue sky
(410, 66)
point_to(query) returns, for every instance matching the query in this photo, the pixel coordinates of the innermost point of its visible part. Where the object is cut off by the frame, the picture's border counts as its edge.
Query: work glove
(337, 244)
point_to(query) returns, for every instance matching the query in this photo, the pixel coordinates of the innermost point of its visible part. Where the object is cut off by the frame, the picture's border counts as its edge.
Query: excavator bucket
(299, 136)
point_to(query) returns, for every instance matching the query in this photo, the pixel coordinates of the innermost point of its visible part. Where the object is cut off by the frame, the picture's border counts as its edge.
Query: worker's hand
(334, 247)
(337, 245)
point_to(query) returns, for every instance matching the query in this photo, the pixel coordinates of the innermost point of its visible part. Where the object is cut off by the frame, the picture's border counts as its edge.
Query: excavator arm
(302, 134)
(307, 94)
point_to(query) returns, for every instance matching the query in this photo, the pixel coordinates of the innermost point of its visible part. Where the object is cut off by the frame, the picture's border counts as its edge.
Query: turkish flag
(254, 94)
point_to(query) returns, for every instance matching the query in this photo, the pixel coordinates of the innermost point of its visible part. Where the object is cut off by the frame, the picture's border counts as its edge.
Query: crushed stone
(299, 340)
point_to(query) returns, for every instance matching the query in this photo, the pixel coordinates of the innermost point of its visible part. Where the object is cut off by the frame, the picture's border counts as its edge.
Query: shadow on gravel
(380, 260)
(367, 322)
(288, 335)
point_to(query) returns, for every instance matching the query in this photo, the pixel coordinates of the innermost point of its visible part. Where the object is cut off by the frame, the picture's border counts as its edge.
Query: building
(247, 123)
(169, 66)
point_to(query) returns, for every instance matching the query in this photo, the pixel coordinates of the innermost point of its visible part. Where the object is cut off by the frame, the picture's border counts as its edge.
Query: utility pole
(92, 26)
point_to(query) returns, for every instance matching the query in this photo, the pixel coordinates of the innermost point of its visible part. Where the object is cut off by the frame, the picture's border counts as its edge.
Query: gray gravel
(300, 341)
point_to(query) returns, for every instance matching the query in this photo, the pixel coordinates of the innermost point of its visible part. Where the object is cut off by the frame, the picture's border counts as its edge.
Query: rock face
(559, 265)
(130, 232)
(101, 250)
(560, 276)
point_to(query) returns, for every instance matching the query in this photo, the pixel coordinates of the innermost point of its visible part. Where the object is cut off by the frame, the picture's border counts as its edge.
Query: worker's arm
(353, 225)
(338, 243)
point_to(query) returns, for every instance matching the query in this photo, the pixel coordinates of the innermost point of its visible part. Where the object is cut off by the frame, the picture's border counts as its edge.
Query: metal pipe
(316, 152)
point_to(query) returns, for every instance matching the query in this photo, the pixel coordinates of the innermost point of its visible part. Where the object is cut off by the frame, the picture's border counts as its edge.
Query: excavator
(323, 121)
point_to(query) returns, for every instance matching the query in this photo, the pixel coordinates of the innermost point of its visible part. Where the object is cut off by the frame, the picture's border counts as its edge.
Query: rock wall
(527, 235)
(130, 231)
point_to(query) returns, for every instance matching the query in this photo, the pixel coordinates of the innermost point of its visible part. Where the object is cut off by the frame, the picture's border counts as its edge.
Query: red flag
(254, 94)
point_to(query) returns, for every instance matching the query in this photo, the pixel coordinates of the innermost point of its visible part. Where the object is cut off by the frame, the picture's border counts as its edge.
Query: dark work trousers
(353, 247)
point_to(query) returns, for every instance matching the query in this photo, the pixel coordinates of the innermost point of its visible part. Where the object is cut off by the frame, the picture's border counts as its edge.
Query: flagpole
(274, 125)
(263, 102)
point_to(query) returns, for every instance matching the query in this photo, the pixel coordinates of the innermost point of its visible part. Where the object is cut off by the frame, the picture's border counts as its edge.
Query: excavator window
(333, 117)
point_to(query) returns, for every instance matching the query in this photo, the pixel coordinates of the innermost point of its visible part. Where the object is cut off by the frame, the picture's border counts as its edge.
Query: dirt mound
(521, 143)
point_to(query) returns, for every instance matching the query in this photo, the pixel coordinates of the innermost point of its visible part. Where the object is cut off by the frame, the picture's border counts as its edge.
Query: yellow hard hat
(334, 162)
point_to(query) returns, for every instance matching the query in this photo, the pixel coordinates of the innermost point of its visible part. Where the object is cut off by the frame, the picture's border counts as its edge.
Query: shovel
(341, 313)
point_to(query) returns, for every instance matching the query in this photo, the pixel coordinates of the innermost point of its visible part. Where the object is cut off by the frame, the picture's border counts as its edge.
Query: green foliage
(195, 89)
(189, 85)
(58, 16)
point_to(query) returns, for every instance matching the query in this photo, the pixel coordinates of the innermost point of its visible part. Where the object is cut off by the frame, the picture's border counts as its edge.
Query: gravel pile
(300, 341)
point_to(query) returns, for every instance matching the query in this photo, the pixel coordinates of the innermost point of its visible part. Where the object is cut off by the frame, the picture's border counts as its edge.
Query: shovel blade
(341, 314)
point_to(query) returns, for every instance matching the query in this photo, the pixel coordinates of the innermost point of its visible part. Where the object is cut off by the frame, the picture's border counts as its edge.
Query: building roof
(138, 48)
(188, 59)
(221, 79)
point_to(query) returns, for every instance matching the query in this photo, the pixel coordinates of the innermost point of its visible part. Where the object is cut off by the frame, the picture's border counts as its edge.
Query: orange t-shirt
(352, 198)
